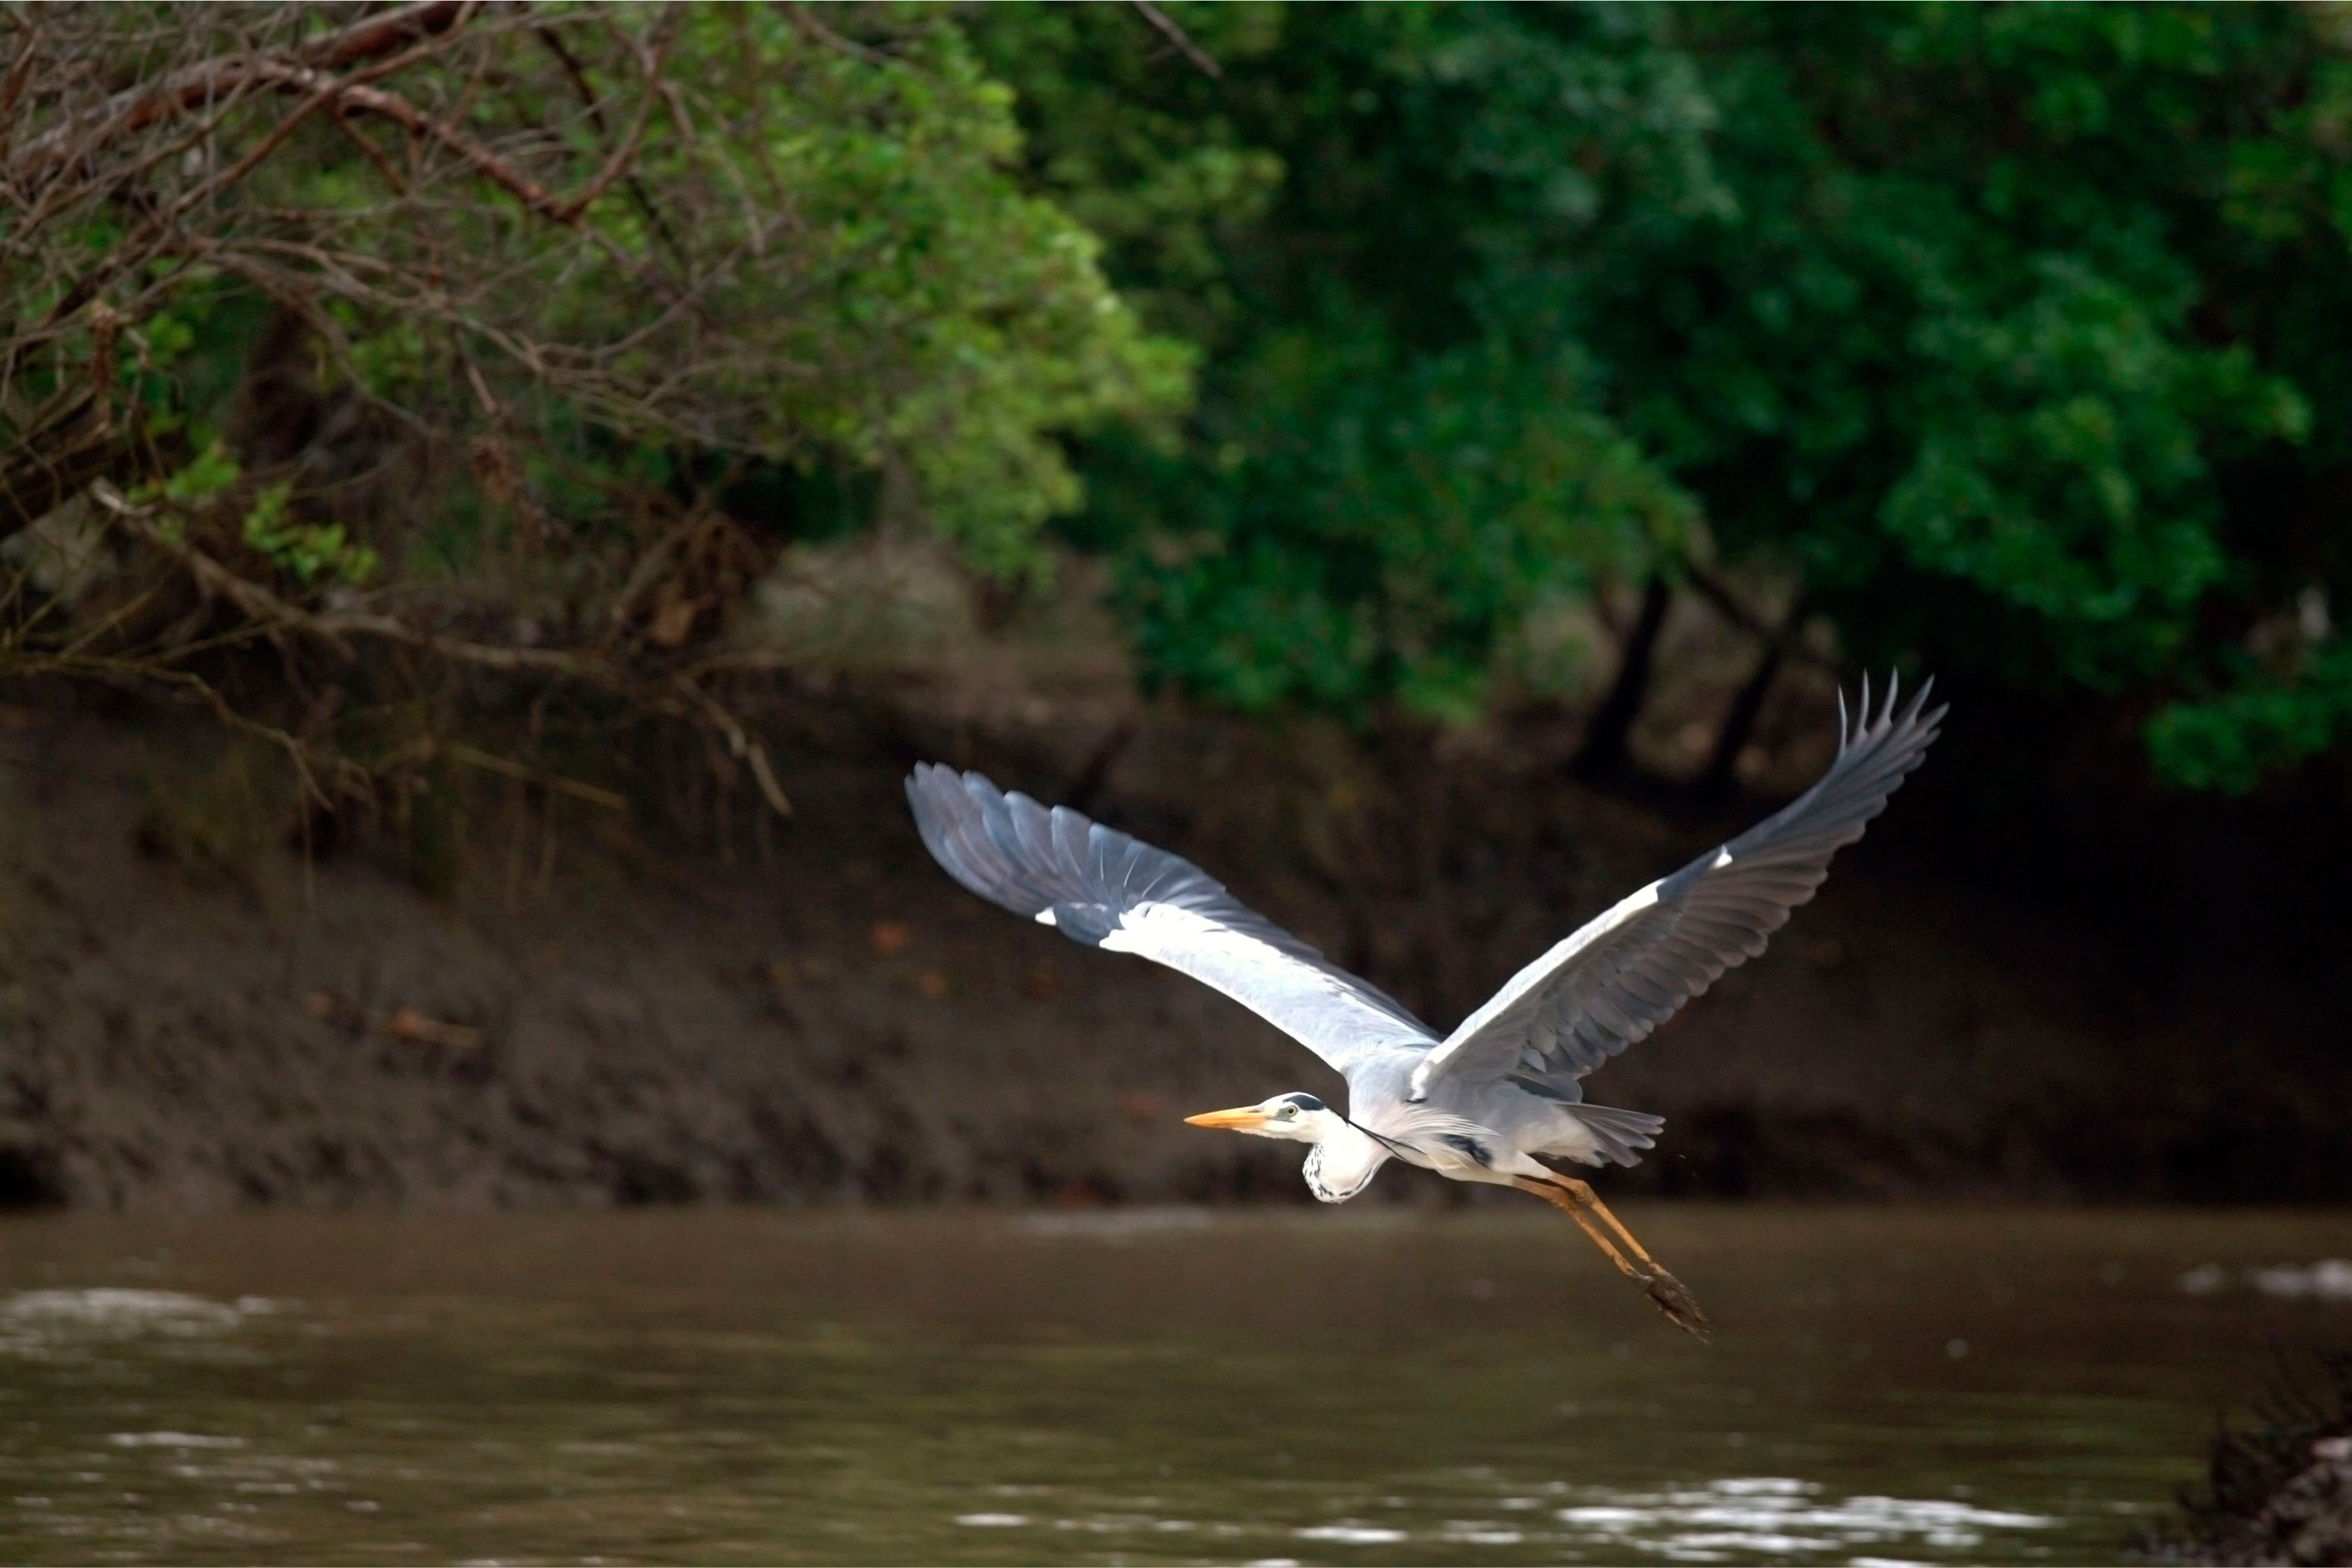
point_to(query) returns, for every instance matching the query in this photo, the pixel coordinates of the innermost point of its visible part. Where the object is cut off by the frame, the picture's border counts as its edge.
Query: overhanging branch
(208, 81)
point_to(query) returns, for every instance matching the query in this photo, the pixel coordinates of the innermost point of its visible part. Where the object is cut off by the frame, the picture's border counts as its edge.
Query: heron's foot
(1673, 1298)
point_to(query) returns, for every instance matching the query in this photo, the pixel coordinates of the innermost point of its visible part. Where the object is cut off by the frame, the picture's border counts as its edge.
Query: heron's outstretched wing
(1099, 886)
(1627, 970)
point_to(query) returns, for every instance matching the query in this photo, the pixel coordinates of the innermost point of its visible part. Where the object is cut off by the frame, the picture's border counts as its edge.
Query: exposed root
(1580, 1203)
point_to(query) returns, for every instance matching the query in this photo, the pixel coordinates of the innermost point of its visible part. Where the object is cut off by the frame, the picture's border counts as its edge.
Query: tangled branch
(500, 301)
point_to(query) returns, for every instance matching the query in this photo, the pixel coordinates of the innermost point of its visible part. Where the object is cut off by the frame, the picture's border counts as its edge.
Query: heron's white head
(1300, 1117)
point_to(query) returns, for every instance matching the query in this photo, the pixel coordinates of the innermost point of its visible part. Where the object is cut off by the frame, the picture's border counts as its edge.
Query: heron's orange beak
(1241, 1120)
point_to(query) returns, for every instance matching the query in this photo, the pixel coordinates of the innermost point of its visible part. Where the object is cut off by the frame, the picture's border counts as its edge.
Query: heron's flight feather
(1628, 971)
(1097, 886)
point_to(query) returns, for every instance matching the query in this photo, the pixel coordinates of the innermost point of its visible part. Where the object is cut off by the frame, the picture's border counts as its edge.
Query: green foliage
(1391, 472)
(312, 552)
(1381, 535)
(920, 310)
(2016, 332)
(1970, 387)
(818, 257)
(2288, 696)
(2232, 742)
(195, 481)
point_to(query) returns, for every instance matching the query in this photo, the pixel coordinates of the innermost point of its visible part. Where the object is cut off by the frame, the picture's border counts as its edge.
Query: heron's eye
(1289, 1113)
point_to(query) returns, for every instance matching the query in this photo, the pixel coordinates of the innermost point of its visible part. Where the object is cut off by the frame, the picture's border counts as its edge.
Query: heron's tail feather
(1618, 1133)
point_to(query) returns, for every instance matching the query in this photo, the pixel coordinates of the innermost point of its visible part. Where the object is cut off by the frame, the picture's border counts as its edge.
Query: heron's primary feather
(1626, 972)
(1097, 886)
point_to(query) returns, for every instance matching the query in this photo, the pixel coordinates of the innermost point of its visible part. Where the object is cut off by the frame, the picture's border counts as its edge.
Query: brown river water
(1364, 1385)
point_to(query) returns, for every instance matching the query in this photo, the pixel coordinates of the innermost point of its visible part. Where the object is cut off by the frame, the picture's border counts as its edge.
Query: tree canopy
(2013, 334)
(1360, 339)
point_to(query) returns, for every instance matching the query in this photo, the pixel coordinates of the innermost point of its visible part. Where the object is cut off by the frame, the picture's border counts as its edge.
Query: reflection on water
(1731, 1518)
(1115, 1386)
(48, 1324)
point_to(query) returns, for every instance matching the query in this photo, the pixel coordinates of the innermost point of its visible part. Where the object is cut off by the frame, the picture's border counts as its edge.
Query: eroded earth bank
(606, 1007)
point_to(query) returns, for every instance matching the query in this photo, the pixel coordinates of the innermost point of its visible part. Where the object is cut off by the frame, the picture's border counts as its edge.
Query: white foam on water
(1763, 1486)
(172, 1440)
(40, 1323)
(992, 1520)
(1121, 1523)
(1771, 1516)
(1751, 1540)
(2329, 1280)
(114, 1305)
(1469, 1533)
(1930, 1509)
(1352, 1534)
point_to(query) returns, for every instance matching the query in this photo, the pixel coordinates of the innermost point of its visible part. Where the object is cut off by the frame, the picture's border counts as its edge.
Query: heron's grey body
(1479, 1104)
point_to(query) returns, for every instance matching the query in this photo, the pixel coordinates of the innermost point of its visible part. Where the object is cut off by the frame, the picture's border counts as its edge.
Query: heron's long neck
(1342, 1161)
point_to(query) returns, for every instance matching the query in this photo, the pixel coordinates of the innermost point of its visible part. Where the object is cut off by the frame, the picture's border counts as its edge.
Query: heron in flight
(1502, 1093)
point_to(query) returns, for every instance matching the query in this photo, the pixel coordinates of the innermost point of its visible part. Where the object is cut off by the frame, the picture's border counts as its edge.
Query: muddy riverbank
(596, 1009)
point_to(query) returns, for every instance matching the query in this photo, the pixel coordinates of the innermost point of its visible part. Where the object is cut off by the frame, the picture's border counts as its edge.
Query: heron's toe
(1674, 1299)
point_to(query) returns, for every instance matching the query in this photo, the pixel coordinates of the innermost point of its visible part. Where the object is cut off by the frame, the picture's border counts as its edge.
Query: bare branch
(194, 688)
(274, 74)
(19, 71)
(594, 794)
(1165, 25)
(271, 613)
(653, 58)
(135, 109)
(738, 742)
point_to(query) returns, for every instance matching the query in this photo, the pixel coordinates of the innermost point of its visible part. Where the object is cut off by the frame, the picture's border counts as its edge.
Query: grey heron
(1491, 1100)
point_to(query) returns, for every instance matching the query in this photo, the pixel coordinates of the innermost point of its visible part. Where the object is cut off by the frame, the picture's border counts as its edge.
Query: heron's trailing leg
(1584, 1195)
(1574, 1199)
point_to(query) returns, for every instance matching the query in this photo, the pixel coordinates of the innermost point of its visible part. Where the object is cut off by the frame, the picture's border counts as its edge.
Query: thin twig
(271, 613)
(258, 604)
(207, 81)
(489, 762)
(577, 73)
(653, 57)
(19, 71)
(1165, 25)
(737, 741)
(194, 688)
(373, 153)
(274, 74)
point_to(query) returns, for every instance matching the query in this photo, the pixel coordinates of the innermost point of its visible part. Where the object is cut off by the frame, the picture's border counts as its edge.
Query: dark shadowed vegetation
(2278, 1486)
(514, 340)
